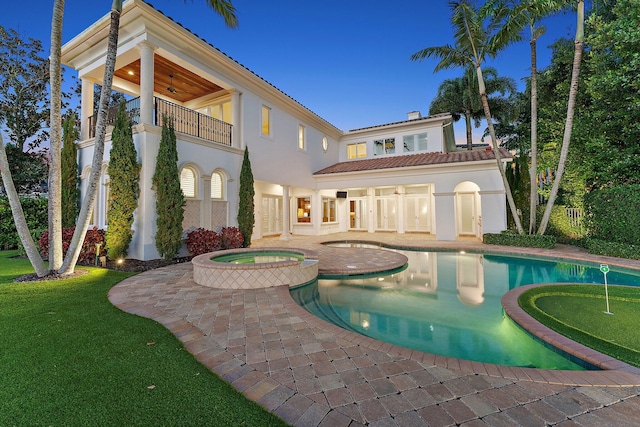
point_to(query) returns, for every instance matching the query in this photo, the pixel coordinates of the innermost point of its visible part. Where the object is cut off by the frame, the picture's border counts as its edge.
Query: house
(311, 178)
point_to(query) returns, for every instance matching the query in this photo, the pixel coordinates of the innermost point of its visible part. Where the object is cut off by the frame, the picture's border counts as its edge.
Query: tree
(461, 98)
(566, 139)
(23, 89)
(527, 14)
(70, 201)
(169, 197)
(124, 173)
(475, 41)
(612, 84)
(29, 169)
(246, 208)
(33, 253)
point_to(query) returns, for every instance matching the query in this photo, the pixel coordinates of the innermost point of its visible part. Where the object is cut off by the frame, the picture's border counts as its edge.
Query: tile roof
(412, 160)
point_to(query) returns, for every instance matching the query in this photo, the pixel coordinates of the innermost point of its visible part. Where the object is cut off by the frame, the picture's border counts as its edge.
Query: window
(304, 209)
(328, 210)
(222, 111)
(325, 143)
(216, 186)
(357, 150)
(188, 182)
(415, 142)
(384, 146)
(266, 121)
(301, 137)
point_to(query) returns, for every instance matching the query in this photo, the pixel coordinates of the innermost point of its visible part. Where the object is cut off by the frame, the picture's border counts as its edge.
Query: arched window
(216, 186)
(188, 182)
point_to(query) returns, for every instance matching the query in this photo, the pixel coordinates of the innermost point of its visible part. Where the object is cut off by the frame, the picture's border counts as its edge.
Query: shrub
(201, 241)
(615, 249)
(509, 238)
(613, 214)
(231, 238)
(35, 212)
(88, 251)
(560, 223)
(124, 172)
(246, 208)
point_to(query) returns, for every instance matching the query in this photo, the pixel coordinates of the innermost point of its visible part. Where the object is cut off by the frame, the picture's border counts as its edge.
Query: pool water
(258, 257)
(449, 304)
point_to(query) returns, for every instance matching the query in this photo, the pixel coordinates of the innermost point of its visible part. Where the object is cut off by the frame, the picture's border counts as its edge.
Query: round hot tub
(255, 268)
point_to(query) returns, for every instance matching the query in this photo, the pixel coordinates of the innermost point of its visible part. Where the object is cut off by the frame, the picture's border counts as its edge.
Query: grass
(578, 312)
(69, 357)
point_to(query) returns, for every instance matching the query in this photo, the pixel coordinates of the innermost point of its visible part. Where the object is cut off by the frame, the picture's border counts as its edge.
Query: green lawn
(578, 312)
(69, 357)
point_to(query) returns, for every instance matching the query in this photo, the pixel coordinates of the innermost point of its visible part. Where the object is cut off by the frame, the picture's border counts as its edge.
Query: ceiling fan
(171, 88)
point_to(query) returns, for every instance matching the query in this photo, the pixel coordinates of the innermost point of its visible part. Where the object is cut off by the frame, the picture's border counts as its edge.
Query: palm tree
(571, 106)
(528, 13)
(18, 215)
(460, 97)
(476, 41)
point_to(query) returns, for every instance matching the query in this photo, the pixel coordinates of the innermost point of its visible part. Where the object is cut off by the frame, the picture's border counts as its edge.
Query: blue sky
(346, 60)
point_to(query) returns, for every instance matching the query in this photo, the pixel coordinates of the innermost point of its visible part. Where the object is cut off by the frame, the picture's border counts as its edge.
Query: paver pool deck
(312, 373)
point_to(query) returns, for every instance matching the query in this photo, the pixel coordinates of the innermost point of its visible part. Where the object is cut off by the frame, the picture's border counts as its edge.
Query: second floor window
(301, 137)
(384, 146)
(415, 142)
(265, 129)
(357, 150)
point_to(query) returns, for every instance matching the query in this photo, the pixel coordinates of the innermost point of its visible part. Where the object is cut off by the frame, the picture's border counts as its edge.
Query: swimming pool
(448, 303)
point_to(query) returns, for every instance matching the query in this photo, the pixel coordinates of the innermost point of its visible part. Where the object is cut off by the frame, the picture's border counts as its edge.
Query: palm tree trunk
(571, 105)
(82, 225)
(494, 144)
(533, 170)
(55, 178)
(467, 122)
(18, 215)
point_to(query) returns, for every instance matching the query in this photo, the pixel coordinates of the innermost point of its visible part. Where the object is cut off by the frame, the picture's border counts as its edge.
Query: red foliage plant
(200, 241)
(88, 251)
(232, 238)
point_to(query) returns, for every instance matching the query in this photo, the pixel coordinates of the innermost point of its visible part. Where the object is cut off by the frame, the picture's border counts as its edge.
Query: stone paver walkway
(312, 373)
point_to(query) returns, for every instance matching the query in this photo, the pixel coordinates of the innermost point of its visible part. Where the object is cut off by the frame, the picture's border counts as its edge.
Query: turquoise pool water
(448, 303)
(258, 257)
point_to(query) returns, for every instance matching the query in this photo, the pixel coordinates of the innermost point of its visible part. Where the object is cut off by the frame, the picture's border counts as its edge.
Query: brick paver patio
(312, 373)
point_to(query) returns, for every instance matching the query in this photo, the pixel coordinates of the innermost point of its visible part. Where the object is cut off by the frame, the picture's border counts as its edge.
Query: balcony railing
(185, 121)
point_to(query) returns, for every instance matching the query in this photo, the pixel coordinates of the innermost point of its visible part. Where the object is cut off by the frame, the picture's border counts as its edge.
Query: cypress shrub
(169, 198)
(124, 173)
(69, 171)
(246, 215)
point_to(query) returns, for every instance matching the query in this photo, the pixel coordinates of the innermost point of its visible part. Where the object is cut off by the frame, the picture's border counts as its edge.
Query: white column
(236, 119)
(286, 214)
(86, 107)
(400, 216)
(146, 82)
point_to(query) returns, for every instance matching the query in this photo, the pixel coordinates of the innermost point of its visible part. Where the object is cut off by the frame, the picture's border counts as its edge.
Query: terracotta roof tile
(422, 159)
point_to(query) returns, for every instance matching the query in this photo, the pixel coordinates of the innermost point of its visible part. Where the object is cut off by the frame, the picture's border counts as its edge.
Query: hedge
(615, 249)
(614, 214)
(509, 238)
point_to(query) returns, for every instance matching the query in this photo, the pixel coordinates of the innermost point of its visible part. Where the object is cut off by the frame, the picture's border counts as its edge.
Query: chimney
(412, 115)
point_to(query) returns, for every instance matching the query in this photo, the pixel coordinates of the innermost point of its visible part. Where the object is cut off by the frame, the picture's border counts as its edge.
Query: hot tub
(249, 268)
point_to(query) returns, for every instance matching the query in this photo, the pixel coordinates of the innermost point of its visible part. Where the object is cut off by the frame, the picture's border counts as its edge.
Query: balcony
(185, 121)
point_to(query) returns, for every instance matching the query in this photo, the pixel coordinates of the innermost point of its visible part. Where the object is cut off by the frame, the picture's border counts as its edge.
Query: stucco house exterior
(311, 178)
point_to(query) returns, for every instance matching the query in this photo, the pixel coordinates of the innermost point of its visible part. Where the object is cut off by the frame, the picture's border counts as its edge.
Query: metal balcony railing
(185, 121)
